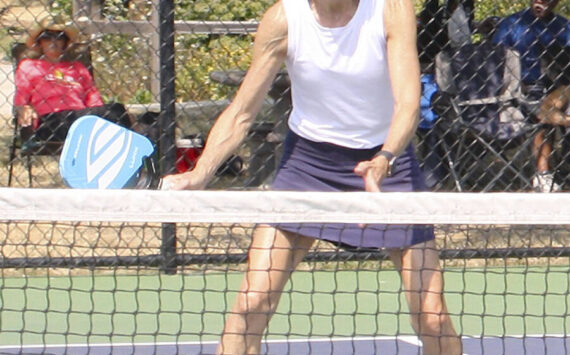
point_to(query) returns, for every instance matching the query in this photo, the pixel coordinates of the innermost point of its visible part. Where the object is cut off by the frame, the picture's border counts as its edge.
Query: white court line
(411, 339)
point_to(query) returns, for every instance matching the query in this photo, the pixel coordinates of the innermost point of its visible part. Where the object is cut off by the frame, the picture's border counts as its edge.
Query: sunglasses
(53, 35)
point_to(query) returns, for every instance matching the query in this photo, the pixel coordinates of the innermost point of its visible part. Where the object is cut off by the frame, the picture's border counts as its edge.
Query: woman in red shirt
(51, 93)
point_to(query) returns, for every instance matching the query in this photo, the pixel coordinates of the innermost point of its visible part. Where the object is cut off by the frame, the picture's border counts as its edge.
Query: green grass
(160, 308)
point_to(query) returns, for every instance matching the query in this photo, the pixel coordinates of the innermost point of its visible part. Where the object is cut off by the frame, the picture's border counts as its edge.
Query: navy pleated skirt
(314, 166)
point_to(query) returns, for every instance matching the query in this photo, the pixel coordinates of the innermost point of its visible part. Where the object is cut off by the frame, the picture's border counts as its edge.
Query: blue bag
(99, 154)
(429, 88)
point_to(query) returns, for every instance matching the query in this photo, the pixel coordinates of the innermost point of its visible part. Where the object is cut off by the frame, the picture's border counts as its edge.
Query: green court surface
(165, 308)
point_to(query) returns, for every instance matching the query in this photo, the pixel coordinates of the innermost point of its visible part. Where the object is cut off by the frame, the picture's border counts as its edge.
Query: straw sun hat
(52, 24)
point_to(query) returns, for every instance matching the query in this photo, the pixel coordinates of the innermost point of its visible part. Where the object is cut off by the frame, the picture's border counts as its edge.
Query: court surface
(515, 310)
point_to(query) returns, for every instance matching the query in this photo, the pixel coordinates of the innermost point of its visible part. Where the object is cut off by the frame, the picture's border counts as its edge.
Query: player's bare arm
(232, 126)
(403, 64)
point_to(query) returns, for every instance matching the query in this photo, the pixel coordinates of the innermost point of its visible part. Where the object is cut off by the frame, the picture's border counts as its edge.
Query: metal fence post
(166, 120)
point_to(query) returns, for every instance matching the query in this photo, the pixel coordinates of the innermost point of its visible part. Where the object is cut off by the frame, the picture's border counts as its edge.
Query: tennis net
(131, 271)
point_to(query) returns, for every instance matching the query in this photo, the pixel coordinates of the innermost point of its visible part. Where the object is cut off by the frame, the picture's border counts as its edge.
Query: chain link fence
(487, 122)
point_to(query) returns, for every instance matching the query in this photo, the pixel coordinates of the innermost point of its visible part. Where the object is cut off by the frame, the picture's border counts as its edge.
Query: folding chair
(21, 135)
(485, 127)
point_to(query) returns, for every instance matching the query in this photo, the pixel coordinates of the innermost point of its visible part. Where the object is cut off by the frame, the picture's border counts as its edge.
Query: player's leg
(273, 255)
(422, 279)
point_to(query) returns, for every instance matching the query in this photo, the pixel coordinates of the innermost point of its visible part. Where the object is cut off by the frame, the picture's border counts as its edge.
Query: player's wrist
(200, 176)
(390, 160)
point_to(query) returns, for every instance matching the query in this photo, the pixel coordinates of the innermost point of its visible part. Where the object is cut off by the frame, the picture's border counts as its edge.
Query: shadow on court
(535, 345)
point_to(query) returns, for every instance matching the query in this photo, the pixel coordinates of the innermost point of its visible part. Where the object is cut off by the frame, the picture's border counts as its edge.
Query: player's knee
(255, 302)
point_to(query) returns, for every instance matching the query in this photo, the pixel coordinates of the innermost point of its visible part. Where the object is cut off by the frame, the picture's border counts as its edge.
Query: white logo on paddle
(106, 152)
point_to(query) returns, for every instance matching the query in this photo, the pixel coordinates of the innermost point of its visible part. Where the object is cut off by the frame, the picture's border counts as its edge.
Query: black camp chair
(486, 125)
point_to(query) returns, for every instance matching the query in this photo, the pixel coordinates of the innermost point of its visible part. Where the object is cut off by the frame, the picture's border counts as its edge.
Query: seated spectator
(530, 32)
(554, 111)
(52, 93)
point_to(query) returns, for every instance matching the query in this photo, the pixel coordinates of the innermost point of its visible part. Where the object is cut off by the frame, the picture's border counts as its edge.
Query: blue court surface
(403, 345)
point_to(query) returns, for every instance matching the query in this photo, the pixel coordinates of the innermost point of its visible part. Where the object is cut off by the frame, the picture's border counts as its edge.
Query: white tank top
(341, 88)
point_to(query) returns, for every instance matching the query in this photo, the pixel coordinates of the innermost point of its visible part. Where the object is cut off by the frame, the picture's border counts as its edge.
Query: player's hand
(373, 172)
(183, 181)
(26, 115)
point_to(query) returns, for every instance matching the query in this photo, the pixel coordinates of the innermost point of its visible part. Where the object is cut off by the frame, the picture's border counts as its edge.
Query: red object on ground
(188, 150)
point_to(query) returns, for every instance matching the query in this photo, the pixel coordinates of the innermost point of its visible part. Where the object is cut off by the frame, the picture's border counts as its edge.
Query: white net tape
(281, 207)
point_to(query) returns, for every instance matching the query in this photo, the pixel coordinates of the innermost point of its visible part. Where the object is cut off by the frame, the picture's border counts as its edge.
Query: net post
(166, 120)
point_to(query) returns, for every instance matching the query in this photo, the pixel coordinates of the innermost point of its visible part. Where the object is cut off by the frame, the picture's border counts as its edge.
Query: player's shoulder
(276, 14)
(274, 21)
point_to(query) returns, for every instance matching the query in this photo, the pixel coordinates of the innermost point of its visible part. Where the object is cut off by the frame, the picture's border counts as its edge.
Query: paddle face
(98, 154)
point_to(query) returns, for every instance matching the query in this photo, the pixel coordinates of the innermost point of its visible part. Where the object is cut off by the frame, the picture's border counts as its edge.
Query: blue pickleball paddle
(99, 154)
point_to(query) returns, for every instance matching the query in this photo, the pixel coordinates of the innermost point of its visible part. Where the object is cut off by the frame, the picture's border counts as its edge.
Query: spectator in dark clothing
(531, 32)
